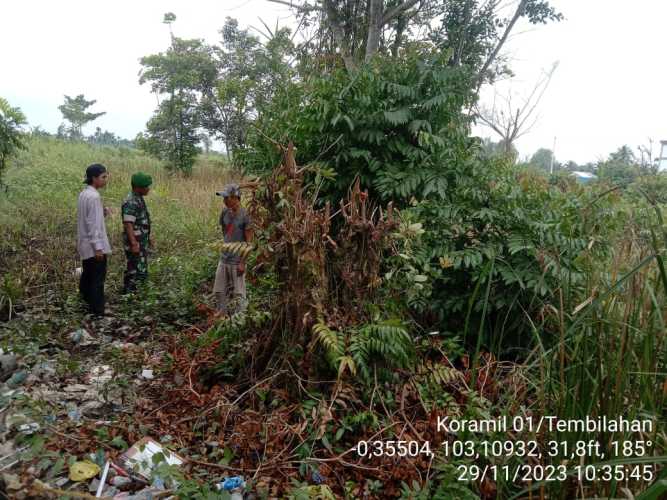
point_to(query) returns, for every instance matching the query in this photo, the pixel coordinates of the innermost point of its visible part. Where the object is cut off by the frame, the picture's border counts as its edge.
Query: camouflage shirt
(134, 210)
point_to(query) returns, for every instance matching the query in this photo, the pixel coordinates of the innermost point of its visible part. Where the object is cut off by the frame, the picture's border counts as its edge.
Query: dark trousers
(137, 269)
(91, 284)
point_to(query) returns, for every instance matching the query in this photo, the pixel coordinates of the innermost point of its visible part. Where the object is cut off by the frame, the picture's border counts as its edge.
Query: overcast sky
(607, 91)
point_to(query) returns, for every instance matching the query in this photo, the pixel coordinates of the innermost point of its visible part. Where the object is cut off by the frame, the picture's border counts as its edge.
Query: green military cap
(141, 180)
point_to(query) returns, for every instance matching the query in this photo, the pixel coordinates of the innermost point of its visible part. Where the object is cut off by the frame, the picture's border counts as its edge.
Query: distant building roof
(583, 175)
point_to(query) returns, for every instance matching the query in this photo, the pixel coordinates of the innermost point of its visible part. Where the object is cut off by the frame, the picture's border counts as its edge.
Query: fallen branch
(38, 489)
(190, 380)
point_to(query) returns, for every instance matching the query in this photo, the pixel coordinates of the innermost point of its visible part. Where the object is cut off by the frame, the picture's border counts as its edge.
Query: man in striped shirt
(93, 242)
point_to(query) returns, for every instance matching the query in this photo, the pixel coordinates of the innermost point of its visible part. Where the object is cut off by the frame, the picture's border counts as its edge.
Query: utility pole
(553, 155)
(662, 160)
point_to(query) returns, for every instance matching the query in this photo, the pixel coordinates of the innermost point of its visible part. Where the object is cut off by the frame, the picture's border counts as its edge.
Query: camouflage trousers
(137, 269)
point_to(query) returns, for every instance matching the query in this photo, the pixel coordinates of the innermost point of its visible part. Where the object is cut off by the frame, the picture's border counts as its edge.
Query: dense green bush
(499, 240)
(397, 124)
(508, 243)
(652, 187)
(11, 136)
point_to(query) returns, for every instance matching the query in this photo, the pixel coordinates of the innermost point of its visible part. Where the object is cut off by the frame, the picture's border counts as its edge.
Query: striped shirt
(91, 230)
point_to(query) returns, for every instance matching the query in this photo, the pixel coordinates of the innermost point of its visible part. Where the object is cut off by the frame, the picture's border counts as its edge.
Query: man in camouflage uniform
(137, 231)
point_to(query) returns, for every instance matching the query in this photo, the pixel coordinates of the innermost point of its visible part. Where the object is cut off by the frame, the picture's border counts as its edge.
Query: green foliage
(468, 30)
(171, 134)
(617, 173)
(397, 125)
(11, 136)
(248, 75)
(181, 68)
(651, 187)
(172, 131)
(303, 491)
(405, 283)
(541, 239)
(74, 111)
(542, 159)
(104, 138)
(383, 345)
(491, 149)
(183, 215)
(621, 168)
(11, 291)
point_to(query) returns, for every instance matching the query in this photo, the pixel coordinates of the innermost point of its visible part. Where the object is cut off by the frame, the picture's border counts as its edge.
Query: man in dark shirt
(229, 287)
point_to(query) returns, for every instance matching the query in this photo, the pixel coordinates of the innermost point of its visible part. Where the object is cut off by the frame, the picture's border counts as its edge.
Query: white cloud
(606, 92)
(91, 48)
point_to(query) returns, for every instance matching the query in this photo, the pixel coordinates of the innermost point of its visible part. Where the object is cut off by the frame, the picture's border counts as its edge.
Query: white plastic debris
(139, 457)
(81, 337)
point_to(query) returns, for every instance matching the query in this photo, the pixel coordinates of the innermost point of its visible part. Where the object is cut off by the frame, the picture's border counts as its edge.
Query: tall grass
(38, 212)
(602, 351)
(610, 358)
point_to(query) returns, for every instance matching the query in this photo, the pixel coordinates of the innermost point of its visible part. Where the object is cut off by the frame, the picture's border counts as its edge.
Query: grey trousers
(229, 289)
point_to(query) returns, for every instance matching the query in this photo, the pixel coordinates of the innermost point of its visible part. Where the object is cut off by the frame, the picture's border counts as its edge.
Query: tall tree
(511, 120)
(171, 134)
(621, 168)
(175, 75)
(11, 135)
(491, 149)
(542, 159)
(74, 110)
(623, 155)
(356, 30)
(248, 73)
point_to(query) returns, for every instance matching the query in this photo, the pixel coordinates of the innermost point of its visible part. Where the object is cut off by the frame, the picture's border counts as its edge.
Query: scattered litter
(12, 482)
(8, 365)
(124, 345)
(81, 337)
(98, 491)
(7, 461)
(45, 370)
(233, 485)
(75, 388)
(158, 483)
(94, 485)
(121, 482)
(139, 457)
(146, 494)
(80, 471)
(21, 423)
(110, 491)
(28, 429)
(74, 415)
(60, 482)
(100, 374)
(147, 374)
(318, 478)
(7, 396)
(17, 378)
